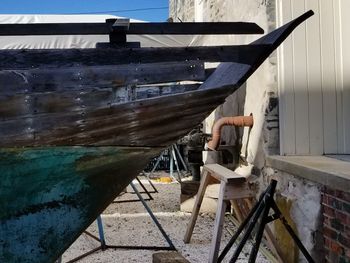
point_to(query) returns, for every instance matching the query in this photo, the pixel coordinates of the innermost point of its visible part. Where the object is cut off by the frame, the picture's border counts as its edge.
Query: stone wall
(300, 202)
(181, 10)
(258, 96)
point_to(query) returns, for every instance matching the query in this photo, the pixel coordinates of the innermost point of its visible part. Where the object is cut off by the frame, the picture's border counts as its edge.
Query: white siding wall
(314, 78)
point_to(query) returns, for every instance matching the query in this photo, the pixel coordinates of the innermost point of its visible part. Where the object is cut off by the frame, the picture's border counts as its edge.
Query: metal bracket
(117, 36)
(121, 24)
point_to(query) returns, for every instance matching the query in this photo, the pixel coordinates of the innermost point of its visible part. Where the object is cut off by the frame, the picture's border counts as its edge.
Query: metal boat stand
(261, 209)
(103, 245)
(173, 152)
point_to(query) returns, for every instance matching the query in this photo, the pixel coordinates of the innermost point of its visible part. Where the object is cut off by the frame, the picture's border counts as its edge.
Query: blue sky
(89, 6)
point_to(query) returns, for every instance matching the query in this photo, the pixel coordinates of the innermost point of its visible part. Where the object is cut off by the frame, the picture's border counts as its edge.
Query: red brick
(329, 191)
(346, 207)
(329, 211)
(337, 225)
(343, 260)
(342, 195)
(347, 231)
(327, 243)
(335, 203)
(335, 247)
(328, 232)
(333, 257)
(342, 217)
(326, 220)
(347, 253)
(324, 199)
(343, 240)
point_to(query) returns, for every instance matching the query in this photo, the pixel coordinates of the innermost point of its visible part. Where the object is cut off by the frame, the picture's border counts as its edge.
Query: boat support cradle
(104, 246)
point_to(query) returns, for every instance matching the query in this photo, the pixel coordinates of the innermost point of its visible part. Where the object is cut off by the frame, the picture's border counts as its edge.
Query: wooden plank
(236, 190)
(195, 28)
(301, 95)
(99, 76)
(223, 174)
(184, 28)
(218, 225)
(196, 206)
(328, 77)
(29, 59)
(314, 79)
(135, 123)
(21, 105)
(79, 99)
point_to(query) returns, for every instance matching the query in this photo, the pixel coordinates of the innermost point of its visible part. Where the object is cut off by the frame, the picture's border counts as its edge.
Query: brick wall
(336, 225)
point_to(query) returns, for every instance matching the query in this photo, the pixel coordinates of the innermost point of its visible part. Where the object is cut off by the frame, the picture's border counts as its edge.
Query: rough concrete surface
(129, 224)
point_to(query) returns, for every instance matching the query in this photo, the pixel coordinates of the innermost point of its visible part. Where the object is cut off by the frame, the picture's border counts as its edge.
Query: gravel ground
(129, 224)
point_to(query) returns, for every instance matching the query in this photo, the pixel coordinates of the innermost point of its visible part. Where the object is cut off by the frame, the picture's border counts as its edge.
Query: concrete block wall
(336, 225)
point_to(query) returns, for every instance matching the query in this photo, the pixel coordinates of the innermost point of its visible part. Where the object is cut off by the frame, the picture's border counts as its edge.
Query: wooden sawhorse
(232, 186)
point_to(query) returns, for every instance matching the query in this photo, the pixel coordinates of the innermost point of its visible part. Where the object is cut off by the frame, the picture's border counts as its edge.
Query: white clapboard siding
(345, 64)
(314, 78)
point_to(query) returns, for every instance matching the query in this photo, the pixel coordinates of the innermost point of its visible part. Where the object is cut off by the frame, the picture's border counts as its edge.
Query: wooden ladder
(232, 186)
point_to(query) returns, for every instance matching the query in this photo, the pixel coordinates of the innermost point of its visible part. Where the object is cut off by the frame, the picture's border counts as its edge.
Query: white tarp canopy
(77, 41)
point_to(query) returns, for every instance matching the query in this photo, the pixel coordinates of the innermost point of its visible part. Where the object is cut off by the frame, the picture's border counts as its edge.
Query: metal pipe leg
(157, 163)
(101, 232)
(247, 233)
(176, 164)
(242, 226)
(181, 159)
(268, 201)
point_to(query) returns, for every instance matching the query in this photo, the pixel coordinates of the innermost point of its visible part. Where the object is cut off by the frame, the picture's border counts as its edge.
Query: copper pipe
(238, 121)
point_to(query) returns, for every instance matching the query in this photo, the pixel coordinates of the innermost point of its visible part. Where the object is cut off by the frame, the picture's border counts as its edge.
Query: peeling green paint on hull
(48, 196)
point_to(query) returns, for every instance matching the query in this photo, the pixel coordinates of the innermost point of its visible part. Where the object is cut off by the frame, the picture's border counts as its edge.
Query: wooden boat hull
(50, 188)
(50, 195)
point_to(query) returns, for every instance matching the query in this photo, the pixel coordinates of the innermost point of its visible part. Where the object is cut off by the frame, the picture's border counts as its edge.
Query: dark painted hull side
(50, 195)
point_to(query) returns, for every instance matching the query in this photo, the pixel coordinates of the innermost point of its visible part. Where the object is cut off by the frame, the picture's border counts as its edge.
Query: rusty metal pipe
(238, 121)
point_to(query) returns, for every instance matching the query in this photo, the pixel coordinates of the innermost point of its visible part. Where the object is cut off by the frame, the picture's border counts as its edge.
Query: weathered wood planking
(151, 122)
(22, 105)
(63, 189)
(37, 80)
(148, 122)
(185, 28)
(31, 58)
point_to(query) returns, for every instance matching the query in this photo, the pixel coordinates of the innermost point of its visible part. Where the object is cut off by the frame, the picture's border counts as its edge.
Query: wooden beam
(81, 98)
(28, 59)
(185, 28)
(39, 80)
